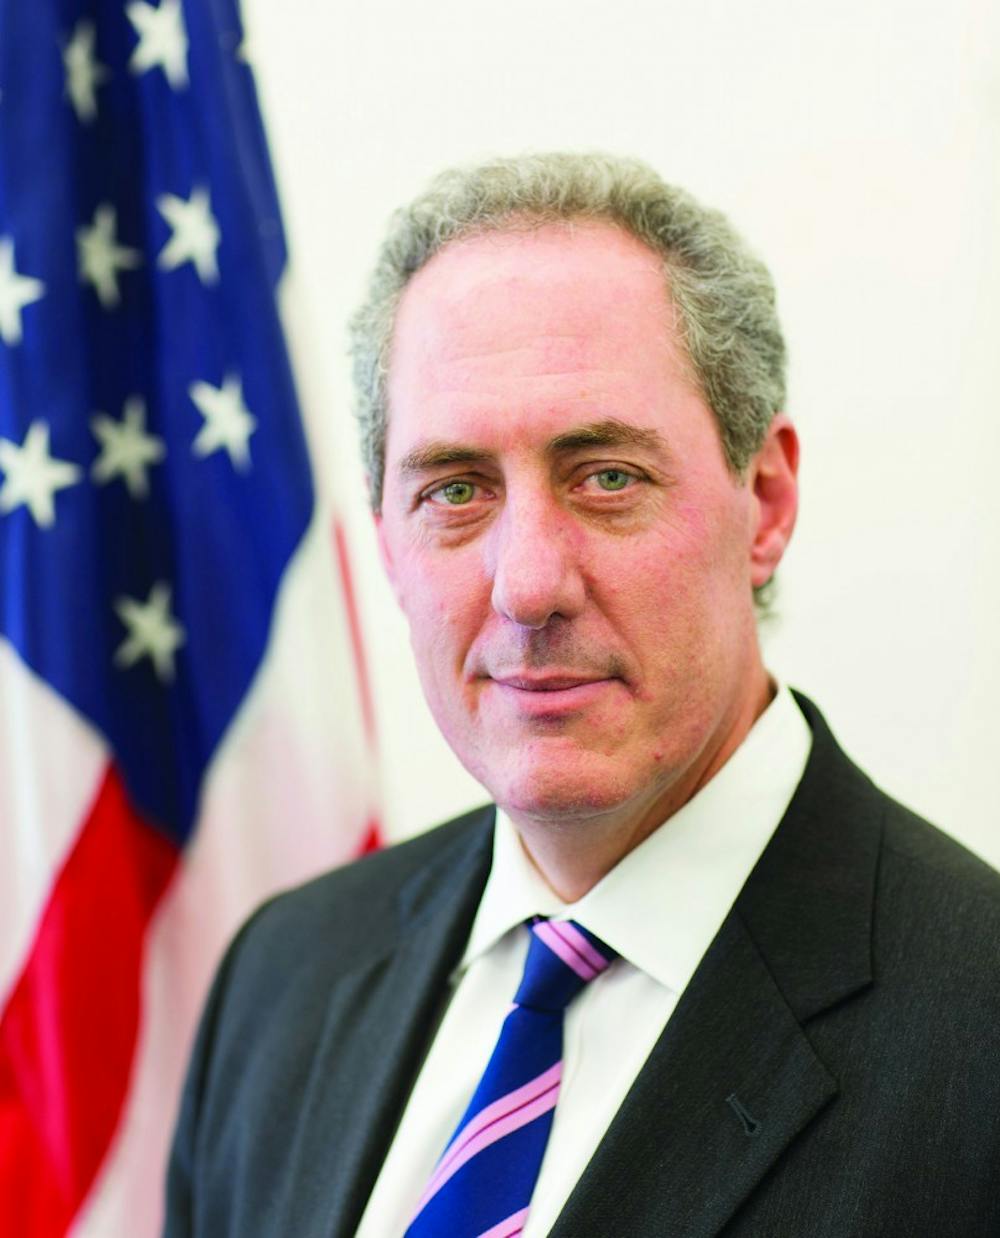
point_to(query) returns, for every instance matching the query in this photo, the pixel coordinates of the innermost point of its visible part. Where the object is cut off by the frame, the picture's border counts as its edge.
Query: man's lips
(551, 697)
(547, 683)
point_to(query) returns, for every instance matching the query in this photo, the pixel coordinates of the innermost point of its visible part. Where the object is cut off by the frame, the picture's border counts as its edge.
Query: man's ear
(773, 480)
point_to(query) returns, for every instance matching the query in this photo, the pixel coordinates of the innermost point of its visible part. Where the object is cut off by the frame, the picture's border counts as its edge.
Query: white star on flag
(163, 40)
(32, 476)
(152, 632)
(16, 291)
(101, 258)
(228, 422)
(196, 234)
(84, 73)
(126, 449)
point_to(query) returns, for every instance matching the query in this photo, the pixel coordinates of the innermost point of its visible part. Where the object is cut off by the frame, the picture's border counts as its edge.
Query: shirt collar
(662, 905)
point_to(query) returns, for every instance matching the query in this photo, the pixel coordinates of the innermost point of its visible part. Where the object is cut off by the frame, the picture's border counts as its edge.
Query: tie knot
(562, 957)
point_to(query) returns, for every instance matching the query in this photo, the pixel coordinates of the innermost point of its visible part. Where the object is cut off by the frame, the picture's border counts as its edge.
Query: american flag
(181, 711)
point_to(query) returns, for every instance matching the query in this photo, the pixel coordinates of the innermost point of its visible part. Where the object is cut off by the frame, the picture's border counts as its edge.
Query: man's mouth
(546, 682)
(550, 697)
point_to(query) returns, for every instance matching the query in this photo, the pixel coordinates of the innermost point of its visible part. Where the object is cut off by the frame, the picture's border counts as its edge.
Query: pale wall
(855, 145)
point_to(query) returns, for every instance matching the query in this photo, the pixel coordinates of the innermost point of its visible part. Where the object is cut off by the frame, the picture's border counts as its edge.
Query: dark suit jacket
(832, 1069)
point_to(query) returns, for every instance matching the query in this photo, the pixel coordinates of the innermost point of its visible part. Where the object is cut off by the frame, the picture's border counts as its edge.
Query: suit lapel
(678, 1157)
(379, 1022)
(734, 1079)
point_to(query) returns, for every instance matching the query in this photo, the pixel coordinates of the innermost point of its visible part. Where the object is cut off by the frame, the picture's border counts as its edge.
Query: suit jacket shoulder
(911, 840)
(355, 910)
(936, 949)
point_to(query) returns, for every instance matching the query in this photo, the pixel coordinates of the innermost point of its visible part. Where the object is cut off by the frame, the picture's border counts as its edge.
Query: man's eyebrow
(607, 433)
(434, 455)
(610, 432)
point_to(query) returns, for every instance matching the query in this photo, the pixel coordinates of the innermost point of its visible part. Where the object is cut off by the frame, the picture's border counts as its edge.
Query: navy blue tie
(482, 1185)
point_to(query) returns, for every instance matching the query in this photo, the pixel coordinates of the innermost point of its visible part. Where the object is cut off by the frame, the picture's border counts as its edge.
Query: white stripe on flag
(51, 764)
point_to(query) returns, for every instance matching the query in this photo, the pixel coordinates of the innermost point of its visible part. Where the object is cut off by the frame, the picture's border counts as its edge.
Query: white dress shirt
(660, 908)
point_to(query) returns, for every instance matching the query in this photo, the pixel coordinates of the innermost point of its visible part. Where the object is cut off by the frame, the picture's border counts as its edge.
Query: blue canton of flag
(153, 473)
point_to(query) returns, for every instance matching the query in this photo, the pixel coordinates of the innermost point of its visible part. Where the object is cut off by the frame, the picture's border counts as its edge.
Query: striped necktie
(482, 1185)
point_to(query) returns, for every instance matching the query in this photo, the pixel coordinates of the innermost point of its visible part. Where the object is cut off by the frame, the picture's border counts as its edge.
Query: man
(778, 1009)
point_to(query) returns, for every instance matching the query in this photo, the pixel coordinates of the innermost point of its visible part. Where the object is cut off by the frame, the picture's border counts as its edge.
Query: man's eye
(454, 493)
(614, 479)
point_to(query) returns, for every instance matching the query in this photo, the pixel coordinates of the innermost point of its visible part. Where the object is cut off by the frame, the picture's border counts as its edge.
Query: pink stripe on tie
(465, 1148)
(498, 1109)
(572, 935)
(509, 1228)
(560, 946)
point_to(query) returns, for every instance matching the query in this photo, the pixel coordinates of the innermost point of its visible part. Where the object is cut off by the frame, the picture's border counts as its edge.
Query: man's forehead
(579, 315)
(546, 272)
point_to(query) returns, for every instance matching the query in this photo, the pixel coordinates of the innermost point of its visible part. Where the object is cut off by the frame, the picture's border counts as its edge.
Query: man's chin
(563, 795)
(555, 775)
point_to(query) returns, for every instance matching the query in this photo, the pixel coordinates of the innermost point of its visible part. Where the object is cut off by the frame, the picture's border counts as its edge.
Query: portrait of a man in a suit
(691, 973)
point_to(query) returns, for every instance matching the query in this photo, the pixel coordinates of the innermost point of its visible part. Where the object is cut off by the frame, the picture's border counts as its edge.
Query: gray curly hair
(722, 292)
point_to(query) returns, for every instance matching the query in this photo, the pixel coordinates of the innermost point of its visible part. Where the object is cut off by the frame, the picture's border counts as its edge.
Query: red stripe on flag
(373, 839)
(68, 1033)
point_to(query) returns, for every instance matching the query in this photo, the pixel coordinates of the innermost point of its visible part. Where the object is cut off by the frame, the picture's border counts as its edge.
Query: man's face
(560, 526)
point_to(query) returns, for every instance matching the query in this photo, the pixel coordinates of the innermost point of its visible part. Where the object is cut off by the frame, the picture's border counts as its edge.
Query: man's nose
(535, 551)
